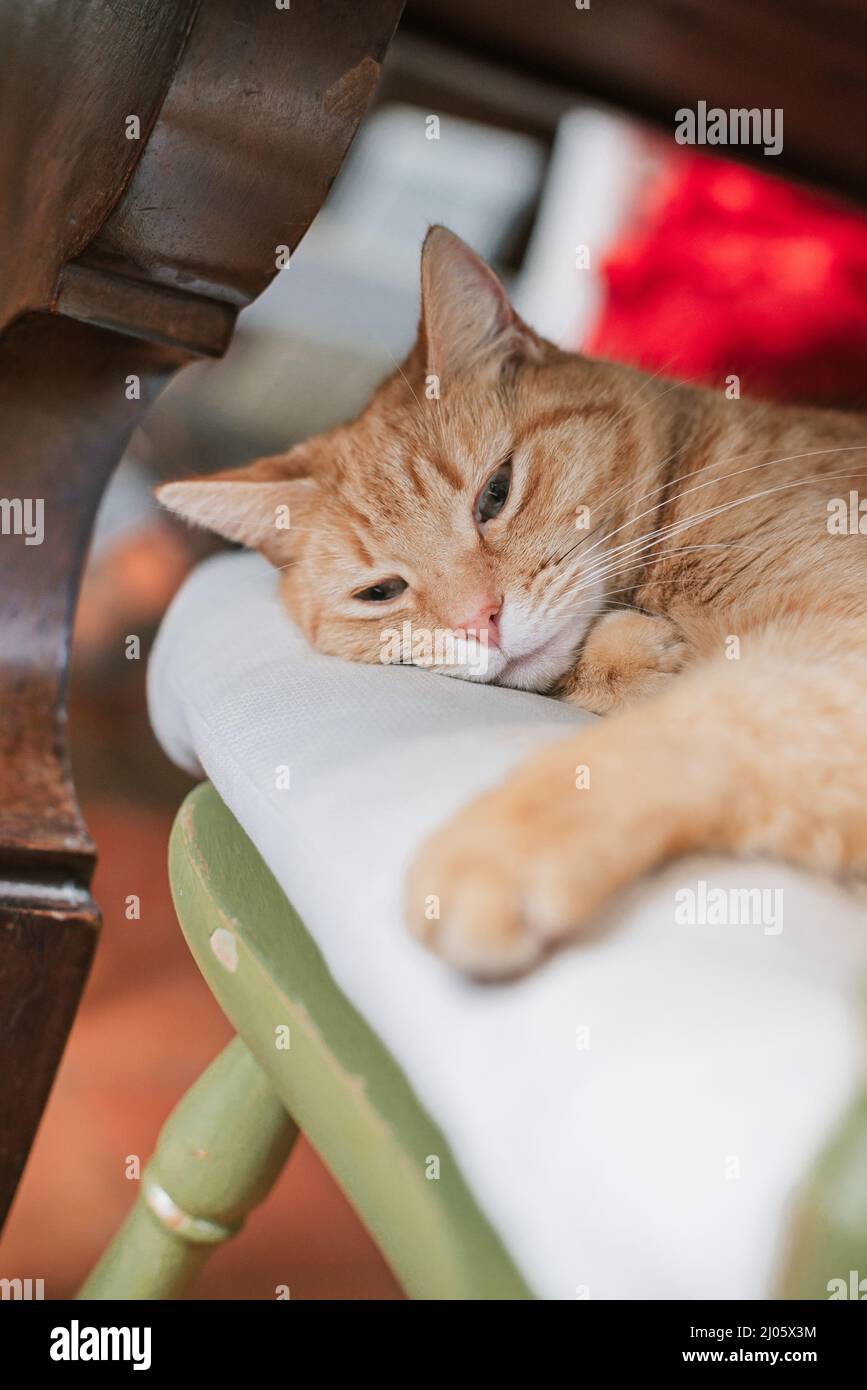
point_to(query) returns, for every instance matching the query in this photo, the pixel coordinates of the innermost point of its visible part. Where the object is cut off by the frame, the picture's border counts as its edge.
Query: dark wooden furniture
(650, 57)
(121, 259)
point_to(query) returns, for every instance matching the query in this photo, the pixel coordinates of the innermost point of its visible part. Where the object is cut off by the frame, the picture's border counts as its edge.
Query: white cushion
(655, 1154)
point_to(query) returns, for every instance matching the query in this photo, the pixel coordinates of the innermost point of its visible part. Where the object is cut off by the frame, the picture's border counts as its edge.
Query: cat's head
(445, 526)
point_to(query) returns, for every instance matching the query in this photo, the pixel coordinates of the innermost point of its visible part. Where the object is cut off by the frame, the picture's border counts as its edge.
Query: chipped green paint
(225, 948)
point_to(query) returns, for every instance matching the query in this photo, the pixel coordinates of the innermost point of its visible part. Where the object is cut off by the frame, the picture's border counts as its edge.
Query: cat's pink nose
(485, 617)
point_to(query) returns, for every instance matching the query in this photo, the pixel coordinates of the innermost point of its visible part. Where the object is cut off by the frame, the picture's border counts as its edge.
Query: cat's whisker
(648, 381)
(635, 548)
(392, 357)
(736, 473)
(653, 539)
(608, 607)
(627, 562)
(785, 458)
(630, 487)
(626, 487)
(632, 552)
(703, 545)
(730, 458)
(652, 400)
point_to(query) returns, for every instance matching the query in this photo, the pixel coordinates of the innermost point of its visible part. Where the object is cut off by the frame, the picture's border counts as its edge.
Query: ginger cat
(657, 553)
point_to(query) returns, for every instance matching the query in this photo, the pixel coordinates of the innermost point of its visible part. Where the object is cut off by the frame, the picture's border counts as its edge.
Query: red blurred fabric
(730, 271)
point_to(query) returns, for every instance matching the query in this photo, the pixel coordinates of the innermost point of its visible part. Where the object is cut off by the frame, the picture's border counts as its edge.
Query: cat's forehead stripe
(416, 479)
(563, 415)
(530, 487)
(354, 516)
(447, 472)
(360, 549)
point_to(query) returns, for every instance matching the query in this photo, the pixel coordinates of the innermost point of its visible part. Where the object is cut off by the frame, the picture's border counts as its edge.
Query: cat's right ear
(466, 312)
(261, 506)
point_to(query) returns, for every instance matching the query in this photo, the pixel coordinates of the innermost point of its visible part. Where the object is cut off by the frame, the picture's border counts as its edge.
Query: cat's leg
(766, 758)
(628, 655)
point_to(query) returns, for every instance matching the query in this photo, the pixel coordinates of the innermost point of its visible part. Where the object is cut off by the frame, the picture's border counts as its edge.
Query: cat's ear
(261, 506)
(466, 313)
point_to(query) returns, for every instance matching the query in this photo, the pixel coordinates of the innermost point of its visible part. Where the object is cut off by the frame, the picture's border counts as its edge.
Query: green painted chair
(304, 1058)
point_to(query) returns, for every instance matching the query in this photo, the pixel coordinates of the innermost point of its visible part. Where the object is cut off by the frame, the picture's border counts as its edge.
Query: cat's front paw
(628, 656)
(465, 899)
(508, 877)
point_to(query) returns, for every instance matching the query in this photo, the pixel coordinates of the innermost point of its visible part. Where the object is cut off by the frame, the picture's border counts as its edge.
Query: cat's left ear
(261, 506)
(466, 313)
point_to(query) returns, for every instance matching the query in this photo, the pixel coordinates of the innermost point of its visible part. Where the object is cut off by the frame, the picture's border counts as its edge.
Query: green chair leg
(217, 1157)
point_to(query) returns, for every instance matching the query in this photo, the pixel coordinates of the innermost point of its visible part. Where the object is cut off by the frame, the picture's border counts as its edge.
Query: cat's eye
(493, 496)
(382, 592)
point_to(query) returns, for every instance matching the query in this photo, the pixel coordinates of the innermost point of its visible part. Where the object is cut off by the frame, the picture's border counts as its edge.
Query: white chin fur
(535, 658)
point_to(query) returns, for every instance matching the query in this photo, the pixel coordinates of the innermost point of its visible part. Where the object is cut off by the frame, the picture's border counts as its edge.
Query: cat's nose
(484, 617)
